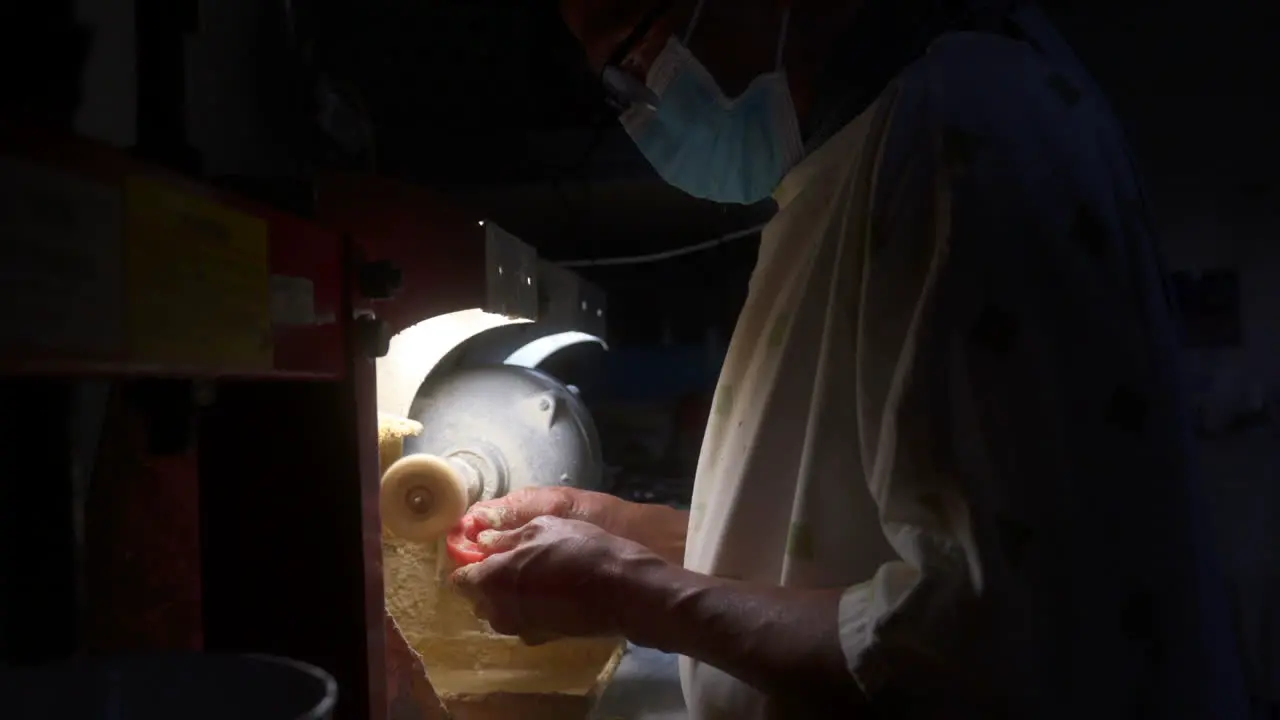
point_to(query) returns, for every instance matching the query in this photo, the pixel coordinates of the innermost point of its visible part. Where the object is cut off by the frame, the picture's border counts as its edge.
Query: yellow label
(198, 280)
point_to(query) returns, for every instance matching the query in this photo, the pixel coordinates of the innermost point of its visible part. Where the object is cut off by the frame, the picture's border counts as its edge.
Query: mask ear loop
(795, 145)
(782, 37)
(693, 22)
(621, 90)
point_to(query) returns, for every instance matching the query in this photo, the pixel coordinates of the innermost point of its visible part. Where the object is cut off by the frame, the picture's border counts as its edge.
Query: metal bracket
(570, 302)
(511, 276)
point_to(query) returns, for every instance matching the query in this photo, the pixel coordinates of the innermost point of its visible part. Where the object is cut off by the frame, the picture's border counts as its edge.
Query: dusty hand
(552, 578)
(522, 506)
(659, 528)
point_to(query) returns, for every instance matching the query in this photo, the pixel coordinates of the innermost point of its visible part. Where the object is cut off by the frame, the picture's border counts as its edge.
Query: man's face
(603, 26)
(735, 39)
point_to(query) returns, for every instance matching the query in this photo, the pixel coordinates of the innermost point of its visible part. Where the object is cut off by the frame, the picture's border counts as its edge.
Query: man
(946, 473)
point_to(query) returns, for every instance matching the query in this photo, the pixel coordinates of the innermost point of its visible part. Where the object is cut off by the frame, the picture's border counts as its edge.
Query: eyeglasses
(622, 89)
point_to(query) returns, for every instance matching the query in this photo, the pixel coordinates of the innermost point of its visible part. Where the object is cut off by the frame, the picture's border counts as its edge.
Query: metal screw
(419, 500)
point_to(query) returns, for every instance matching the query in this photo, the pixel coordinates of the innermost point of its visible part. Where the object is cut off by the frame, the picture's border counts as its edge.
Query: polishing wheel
(486, 432)
(425, 495)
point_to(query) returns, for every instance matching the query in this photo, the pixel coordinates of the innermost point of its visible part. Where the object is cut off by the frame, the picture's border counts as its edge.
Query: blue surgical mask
(713, 147)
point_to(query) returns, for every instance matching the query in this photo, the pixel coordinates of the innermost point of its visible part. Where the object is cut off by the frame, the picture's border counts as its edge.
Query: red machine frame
(233, 504)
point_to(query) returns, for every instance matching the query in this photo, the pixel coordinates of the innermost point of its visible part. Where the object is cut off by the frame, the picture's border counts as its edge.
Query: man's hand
(557, 578)
(522, 506)
(657, 527)
(552, 578)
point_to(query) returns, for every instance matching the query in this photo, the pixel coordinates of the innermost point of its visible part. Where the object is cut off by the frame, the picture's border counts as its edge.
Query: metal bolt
(419, 500)
(544, 404)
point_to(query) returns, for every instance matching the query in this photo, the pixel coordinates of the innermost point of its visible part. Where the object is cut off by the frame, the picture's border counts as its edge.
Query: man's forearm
(660, 528)
(784, 642)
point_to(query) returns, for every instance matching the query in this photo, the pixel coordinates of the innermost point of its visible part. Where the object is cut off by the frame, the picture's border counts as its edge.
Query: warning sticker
(198, 285)
(293, 301)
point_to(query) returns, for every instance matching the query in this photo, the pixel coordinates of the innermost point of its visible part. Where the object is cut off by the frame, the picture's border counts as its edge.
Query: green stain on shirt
(696, 514)
(1066, 90)
(800, 542)
(778, 333)
(960, 149)
(724, 401)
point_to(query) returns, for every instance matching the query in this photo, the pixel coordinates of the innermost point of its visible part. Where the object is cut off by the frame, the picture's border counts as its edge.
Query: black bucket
(169, 687)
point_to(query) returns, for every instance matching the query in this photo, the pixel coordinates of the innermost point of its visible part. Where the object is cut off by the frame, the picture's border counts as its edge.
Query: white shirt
(953, 392)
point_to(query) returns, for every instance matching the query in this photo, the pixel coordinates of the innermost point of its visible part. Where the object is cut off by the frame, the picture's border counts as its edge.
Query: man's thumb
(496, 541)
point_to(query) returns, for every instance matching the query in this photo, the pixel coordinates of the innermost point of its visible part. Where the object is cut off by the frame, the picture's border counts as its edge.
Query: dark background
(489, 100)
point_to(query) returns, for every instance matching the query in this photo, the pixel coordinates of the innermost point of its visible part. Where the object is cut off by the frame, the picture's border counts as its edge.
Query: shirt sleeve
(1021, 413)
(908, 618)
(960, 384)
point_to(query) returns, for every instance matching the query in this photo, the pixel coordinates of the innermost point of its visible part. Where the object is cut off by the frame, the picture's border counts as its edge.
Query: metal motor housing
(519, 426)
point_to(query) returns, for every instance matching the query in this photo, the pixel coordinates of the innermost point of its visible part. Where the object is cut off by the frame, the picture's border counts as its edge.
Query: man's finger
(495, 515)
(510, 511)
(497, 541)
(469, 579)
(482, 609)
(464, 581)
